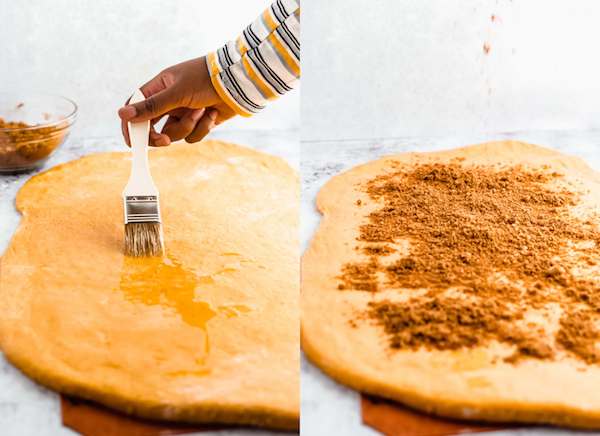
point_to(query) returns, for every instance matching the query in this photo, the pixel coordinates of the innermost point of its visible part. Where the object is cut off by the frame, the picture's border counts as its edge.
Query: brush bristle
(143, 239)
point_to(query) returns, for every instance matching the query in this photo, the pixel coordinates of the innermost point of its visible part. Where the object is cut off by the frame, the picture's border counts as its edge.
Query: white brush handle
(140, 181)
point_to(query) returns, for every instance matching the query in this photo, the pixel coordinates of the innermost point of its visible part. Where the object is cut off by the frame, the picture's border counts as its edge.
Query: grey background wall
(413, 67)
(97, 52)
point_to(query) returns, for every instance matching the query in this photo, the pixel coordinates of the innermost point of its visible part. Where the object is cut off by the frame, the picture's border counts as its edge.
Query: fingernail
(197, 114)
(127, 112)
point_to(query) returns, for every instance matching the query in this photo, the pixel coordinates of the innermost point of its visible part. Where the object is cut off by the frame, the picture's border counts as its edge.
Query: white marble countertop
(27, 408)
(327, 407)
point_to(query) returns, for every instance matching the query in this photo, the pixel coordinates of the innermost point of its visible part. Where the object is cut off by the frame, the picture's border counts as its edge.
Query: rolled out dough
(465, 383)
(209, 333)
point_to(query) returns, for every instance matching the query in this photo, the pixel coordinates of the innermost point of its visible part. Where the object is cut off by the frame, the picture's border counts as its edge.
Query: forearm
(262, 63)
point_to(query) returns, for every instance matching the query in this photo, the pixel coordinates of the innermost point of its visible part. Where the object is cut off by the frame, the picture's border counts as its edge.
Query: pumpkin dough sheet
(476, 383)
(209, 333)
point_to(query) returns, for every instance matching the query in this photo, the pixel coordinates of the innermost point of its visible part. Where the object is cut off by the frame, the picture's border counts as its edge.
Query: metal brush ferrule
(142, 209)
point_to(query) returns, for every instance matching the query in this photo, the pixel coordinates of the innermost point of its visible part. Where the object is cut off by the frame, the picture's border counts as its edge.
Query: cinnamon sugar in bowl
(32, 126)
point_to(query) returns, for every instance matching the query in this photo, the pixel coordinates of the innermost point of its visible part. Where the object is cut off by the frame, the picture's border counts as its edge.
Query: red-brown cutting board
(90, 419)
(393, 419)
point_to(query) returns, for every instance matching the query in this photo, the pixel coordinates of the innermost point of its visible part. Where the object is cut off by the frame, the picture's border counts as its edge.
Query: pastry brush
(143, 229)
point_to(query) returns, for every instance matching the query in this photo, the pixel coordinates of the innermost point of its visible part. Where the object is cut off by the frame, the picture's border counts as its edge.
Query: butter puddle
(166, 283)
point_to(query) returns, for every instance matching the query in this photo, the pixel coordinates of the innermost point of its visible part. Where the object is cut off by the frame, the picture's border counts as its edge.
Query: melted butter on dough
(209, 333)
(470, 383)
(164, 282)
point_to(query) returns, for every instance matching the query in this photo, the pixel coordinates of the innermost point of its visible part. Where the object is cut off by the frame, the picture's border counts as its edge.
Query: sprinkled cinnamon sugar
(501, 239)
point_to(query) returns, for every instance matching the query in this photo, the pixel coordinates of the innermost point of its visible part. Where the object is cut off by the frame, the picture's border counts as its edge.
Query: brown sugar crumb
(529, 344)
(578, 333)
(378, 250)
(488, 245)
(13, 124)
(444, 323)
(360, 276)
(447, 323)
(358, 202)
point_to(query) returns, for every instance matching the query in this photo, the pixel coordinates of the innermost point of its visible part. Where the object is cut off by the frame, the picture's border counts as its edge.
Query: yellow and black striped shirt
(262, 63)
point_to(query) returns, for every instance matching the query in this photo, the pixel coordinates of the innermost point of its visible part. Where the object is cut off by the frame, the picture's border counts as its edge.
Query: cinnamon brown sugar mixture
(487, 247)
(21, 144)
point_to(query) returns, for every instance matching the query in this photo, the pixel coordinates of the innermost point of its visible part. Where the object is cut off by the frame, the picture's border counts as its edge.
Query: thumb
(153, 107)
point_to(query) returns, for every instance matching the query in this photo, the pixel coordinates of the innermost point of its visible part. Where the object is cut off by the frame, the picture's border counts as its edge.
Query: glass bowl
(32, 126)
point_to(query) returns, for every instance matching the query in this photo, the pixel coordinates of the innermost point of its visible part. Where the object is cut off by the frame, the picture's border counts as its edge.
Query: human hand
(185, 93)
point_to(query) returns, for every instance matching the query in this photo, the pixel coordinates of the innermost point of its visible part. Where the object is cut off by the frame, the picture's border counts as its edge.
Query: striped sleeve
(262, 63)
